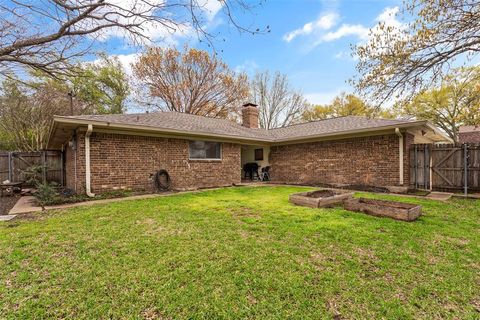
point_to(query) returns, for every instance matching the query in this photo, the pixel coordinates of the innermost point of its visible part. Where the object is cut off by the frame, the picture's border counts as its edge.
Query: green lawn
(241, 253)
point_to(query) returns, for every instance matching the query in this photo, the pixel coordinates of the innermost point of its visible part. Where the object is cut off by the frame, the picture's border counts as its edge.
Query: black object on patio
(265, 173)
(251, 169)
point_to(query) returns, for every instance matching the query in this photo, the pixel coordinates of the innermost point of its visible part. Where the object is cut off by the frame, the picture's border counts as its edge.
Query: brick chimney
(250, 115)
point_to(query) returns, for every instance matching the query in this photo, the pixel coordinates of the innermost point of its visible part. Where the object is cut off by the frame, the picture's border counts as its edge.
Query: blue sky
(309, 41)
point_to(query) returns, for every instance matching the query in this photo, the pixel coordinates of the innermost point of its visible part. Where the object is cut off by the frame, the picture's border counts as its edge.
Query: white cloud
(324, 22)
(126, 60)
(248, 66)
(322, 31)
(346, 30)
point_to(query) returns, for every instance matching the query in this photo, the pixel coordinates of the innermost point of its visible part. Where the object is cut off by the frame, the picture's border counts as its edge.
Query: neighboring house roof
(469, 129)
(193, 125)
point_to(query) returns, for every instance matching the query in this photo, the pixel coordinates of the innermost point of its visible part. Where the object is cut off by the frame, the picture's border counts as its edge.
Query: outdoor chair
(265, 175)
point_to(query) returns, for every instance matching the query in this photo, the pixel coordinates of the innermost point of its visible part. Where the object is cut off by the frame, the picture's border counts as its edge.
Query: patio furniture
(265, 175)
(251, 169)
(10, 186)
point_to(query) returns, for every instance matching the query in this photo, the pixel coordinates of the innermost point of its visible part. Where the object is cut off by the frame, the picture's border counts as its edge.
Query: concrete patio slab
(7, 217)
(442, 196)
(25, 204)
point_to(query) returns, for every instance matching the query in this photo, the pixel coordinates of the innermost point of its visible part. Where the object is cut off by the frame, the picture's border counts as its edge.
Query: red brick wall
(366, 161)
(78, 156)
(469, 137)
(121, 161)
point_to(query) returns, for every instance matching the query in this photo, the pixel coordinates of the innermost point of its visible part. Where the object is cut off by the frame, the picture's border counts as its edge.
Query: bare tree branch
(279, 104)
(47, 35)
(190, 82)
(400, 62)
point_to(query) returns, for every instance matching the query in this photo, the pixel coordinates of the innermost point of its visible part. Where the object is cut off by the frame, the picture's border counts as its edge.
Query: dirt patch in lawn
(244, 212)
(7, 203)
(321, 194)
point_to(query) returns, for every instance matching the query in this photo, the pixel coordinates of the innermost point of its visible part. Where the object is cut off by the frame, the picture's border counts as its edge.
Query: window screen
(204, 150)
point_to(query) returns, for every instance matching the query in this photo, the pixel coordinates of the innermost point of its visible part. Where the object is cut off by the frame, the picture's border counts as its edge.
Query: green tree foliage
(456, 102)
(97, 88)
(345, 105)
(405, 58)
(27, 108)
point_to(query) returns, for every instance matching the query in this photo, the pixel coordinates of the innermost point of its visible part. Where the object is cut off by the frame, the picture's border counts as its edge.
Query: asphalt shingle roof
(469, 128)
(203, 125)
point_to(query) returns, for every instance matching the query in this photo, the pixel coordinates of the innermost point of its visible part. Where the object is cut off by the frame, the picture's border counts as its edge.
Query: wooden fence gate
(13, 164)
(445, 167)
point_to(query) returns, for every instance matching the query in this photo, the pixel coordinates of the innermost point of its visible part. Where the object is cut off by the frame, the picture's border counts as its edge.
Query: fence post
(425, 166)
(465, 167)
(10, 166)
(44, 166)
(430, 166)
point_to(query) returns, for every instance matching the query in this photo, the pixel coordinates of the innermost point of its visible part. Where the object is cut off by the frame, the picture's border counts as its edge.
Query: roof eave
(242, 139)
(354, 131)
(445, 137)
(133, 127)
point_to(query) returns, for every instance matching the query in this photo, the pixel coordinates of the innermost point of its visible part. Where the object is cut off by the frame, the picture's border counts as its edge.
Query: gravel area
(7, 203)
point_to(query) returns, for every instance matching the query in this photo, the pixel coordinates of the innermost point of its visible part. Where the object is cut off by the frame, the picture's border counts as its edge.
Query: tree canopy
(192, 81)
(454, 103)
(400, 61)
(27, 107)
(345, 105)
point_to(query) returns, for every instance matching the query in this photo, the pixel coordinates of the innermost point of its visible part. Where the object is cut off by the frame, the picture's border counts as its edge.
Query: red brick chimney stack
(250, 115)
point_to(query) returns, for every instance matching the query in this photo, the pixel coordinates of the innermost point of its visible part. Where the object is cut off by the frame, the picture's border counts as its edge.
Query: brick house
(109, 152)
(469, 134)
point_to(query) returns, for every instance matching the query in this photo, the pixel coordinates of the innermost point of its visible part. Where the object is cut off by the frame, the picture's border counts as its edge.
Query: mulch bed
(7, 203)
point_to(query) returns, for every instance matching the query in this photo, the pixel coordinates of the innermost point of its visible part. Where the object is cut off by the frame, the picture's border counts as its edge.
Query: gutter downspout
(400, 154)
(88, 190)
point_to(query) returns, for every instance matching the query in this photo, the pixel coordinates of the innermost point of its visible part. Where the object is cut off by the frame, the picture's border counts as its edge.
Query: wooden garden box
(320, 198)
(381, 208)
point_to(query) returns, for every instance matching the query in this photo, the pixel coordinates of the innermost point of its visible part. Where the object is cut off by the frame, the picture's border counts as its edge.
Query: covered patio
(255, 162)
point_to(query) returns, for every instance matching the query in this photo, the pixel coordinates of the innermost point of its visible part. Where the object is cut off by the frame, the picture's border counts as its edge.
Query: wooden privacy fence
(13, 164)
(445, 167)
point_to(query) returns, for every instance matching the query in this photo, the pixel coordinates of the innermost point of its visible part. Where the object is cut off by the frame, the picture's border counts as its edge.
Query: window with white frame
(205, 150)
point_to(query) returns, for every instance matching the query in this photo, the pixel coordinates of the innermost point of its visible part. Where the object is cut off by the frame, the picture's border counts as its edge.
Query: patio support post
(400, 154)
(88, 190)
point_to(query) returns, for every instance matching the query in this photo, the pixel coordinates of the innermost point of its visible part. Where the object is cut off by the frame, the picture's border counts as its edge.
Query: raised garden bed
(320, 198)
(381, 208)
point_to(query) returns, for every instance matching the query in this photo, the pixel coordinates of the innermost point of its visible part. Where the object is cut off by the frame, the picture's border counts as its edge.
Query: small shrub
(33, 175)
(46, 194)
